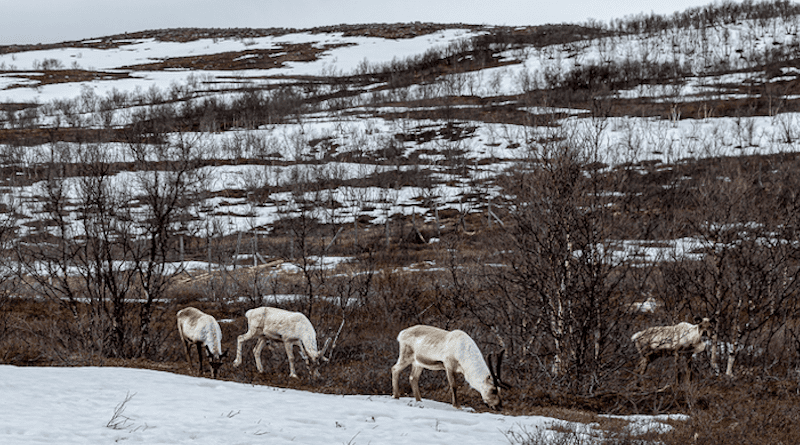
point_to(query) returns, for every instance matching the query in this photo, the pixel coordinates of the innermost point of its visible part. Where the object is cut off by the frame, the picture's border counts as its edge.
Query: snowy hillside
(353, 117)
(106, 405)
(549, 190)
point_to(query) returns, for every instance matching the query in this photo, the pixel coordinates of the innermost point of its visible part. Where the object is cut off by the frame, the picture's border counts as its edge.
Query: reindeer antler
(495, 369)
(322, 355)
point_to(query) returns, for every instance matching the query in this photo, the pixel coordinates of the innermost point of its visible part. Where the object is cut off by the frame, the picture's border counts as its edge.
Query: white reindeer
(427, 347)
(201, 329)
(290, 328)
(682, 338)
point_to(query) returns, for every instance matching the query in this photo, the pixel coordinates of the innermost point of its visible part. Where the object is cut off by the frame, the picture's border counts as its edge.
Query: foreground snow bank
(77, 405)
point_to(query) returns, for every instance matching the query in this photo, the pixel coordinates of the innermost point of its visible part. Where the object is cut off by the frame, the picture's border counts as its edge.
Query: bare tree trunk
(715, 336)
(255, 248)
(737, 334)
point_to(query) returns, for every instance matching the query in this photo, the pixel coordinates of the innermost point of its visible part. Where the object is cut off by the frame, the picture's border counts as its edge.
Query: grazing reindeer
(682, 338)
(290, 328)
(199, 328)
(427, 347)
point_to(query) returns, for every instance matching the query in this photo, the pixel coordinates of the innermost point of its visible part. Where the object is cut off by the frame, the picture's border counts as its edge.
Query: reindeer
(201, 329)
(290, 328)
(682, 338)
(427, 347)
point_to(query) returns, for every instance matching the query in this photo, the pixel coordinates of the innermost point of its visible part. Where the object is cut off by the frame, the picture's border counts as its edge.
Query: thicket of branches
(554, 285)
(711, 15)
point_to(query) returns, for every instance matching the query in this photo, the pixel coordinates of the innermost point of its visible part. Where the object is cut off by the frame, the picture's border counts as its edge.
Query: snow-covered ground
(488, 150)
(351, 51)
(107, 405)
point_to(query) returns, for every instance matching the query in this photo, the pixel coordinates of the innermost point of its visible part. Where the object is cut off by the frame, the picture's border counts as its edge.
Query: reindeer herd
(421, 347)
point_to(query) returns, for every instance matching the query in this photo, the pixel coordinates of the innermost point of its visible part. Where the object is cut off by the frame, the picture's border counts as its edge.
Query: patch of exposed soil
(241, 60)
(64, 76)
(38, 136)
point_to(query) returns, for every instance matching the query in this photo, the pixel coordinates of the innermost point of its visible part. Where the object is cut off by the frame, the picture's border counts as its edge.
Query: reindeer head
(215, 361)
(492, 395)
(705, 326)
(316, 360)
(320, 358)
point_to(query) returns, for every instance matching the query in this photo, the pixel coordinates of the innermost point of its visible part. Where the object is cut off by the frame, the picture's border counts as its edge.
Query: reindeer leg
(186, 350)
(257, 352)
(240, 340)
(641, 368)
(688, 370)
(451, 379)
(199, 359)
(402, 363)
(643, 362)
(684, 366)
(304, 355)
(290, 354)
(212, 365)
(414, 380)
(678, 367)
(395, 379)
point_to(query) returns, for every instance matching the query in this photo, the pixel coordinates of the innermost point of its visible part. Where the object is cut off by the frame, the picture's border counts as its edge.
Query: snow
(621, 139)
(342, 60)
(44, 405)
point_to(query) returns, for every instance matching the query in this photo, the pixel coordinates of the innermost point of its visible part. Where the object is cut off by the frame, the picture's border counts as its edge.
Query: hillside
(550, 190)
